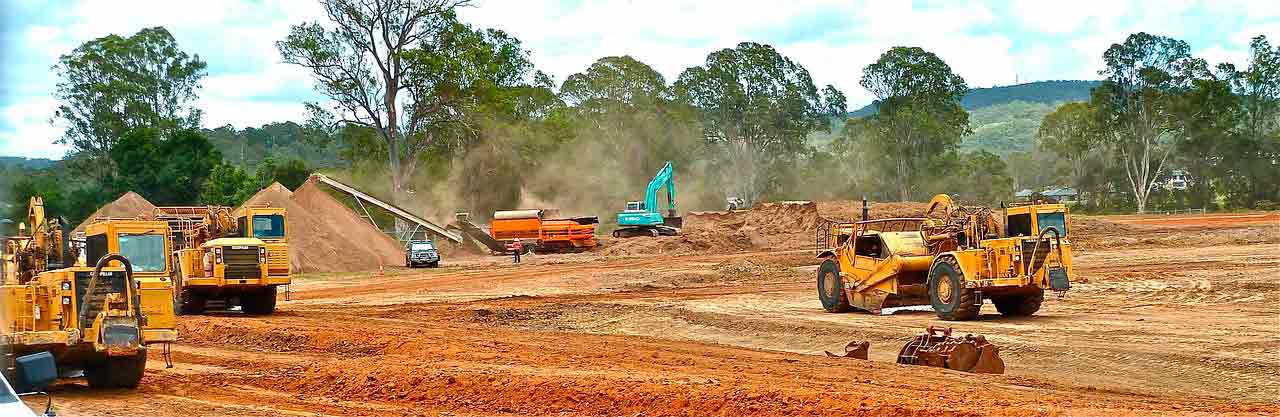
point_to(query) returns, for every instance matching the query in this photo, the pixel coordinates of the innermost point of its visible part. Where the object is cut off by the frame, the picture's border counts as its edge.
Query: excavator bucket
(855, 349)
(937, 348)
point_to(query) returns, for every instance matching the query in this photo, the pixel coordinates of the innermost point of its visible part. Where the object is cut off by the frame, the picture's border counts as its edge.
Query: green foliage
(249, 147)
(919, 120)
(112, 85)
(1133, 105)
(757, 107)
(413, 73)
(290, 173)
(1005, 128)
(228, 185)
(165, 171)
(977, 177)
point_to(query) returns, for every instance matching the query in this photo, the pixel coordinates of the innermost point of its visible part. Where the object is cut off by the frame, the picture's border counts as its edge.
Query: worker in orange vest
(516, 248)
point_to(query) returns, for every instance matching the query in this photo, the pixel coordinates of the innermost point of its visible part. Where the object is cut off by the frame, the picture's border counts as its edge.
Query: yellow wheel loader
(952, 259)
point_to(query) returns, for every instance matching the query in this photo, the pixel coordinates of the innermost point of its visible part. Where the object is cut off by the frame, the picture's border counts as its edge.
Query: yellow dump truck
(951, 259)
(226, 261)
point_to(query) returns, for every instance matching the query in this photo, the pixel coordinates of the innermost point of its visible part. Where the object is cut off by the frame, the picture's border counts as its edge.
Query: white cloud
(986, 42)
(32, 134)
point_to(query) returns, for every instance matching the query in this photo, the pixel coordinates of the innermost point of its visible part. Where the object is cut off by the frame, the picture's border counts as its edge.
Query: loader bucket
(855, 349)
(937, 348)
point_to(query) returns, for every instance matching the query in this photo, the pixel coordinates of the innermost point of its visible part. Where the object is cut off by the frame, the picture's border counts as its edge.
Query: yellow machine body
(952, 261)
(228, 259)
(148, 246)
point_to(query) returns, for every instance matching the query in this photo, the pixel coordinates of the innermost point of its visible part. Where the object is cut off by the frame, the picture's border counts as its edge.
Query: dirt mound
(130, 205)
(784, 224)
(352, 233)
(325, 235)
(851, 210)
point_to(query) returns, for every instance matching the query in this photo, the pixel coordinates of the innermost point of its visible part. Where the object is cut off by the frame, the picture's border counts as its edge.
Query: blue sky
(987, 42)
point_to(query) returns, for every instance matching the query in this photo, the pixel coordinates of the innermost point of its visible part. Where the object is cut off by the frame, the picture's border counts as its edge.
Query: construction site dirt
(1168, 316)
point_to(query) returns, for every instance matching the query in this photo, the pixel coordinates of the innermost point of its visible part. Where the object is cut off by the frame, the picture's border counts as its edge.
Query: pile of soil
(128, 206)
(851, 210)
(781, 225)
(325, 235)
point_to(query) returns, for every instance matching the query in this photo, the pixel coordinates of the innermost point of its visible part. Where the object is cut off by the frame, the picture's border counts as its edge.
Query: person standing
(516, 248)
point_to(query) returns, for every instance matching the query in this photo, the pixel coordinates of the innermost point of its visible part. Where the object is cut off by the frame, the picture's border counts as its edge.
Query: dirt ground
(1168, 316)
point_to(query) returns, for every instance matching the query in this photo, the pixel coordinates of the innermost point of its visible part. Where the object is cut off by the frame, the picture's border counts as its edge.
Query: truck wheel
(1021, 305)
(118, 371)
(435, 264)
(192, 303)
(831, 288)
(259, 302)
(950, 299)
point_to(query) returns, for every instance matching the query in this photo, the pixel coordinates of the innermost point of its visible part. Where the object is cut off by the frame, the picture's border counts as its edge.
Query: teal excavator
(643, 218)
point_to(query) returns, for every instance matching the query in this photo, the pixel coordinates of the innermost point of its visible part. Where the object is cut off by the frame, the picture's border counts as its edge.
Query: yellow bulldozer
(91, 320)
(952, 259)
(227, 259)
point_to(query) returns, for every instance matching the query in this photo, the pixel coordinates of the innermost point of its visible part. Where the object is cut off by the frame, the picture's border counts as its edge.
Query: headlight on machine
(217, 254)
(66, 286)
(262, 254)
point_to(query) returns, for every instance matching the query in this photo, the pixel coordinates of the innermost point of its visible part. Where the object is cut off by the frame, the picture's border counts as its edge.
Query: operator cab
(1033, 219)
(635, 207)
(262, 226)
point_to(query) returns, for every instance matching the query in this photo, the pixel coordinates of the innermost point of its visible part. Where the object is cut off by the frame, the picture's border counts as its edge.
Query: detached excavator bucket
(937, 348)
(855, 349)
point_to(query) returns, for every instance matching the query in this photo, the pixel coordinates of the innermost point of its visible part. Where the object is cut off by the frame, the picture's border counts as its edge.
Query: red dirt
(1160, 322)
(130, 205)
(851, 210)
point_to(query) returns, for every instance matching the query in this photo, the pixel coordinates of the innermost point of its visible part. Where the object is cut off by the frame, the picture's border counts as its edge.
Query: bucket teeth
(855, 349)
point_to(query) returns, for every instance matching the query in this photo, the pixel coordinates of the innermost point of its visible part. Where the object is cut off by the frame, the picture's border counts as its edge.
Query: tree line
(434, 113)
(1161, 109)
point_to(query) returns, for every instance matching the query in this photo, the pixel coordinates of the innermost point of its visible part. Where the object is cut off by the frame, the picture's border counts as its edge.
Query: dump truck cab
(268, 224)
(421, 252)
(951, 259)
(225, 261)
(148, 246)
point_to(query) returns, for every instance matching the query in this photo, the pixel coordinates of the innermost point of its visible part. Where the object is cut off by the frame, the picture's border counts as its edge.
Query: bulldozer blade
(855, 349)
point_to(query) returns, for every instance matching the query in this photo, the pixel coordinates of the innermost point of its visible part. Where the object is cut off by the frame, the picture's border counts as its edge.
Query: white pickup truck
(10, 405)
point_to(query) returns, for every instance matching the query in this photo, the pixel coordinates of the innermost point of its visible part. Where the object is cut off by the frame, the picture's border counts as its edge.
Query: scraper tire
(1021, 305)
(831, 288)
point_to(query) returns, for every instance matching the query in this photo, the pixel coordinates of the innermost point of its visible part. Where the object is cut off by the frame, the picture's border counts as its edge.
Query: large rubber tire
(1021, 305)
(191, 303)
(435, 264)
(950, 299)
(118, 371)
(260, 302)
(831, 288)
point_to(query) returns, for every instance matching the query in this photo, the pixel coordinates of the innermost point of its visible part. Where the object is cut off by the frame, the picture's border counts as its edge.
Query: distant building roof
(1060, 192)
(1024, 194)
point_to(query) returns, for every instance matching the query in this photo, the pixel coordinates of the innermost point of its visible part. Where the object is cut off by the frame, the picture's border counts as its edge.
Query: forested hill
(18, 161)
(1043, 92)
